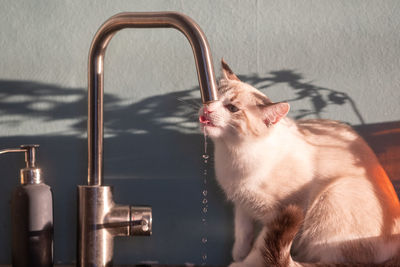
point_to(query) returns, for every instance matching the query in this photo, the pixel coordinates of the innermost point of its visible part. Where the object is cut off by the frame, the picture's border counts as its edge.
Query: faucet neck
(203, 60)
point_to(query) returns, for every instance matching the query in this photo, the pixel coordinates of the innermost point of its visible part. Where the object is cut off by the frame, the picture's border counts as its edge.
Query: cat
(279, 238)
(265, 161)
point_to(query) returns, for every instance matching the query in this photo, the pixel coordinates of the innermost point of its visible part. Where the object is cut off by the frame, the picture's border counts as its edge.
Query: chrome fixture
(100, 219)
(31, 173)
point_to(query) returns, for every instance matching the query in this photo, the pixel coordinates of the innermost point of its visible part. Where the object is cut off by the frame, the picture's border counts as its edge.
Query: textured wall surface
(329, 59)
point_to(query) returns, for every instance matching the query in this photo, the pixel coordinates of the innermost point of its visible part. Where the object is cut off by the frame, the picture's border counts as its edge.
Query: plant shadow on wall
(152, 156)
(319, 97)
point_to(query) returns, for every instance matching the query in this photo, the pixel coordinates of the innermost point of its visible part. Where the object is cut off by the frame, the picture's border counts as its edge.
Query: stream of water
(204, 202)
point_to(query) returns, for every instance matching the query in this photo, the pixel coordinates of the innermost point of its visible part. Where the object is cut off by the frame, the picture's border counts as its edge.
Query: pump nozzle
(30, 174)
(30, 155)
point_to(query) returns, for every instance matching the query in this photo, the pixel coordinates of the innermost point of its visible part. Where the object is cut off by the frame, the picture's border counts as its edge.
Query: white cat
(265, 161)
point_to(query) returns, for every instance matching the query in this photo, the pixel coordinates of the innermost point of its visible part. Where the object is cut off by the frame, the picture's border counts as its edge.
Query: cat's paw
(240, 251)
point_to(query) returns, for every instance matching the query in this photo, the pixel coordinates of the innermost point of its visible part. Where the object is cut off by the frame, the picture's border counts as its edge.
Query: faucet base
(100, 220)
(95, 243)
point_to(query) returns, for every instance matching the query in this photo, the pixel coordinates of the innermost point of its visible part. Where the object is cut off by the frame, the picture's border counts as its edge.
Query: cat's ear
(275, 112)
(227, 72)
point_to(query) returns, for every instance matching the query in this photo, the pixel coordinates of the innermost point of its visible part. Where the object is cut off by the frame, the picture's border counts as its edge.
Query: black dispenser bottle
(32, 215)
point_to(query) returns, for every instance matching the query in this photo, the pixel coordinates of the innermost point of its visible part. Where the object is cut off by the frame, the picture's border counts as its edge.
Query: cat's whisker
(190, 102)
(193, 113)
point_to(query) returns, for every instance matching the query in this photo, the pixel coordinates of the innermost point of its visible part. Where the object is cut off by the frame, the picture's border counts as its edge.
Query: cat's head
(241, 110)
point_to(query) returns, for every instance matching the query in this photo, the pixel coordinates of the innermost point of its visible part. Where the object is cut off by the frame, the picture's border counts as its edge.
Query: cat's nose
(207, 110)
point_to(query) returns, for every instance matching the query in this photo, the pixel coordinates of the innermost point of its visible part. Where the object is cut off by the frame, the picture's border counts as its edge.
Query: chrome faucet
(99, 218)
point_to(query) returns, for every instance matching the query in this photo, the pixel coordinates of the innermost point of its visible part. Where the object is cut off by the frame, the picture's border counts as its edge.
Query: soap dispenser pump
(32, 215)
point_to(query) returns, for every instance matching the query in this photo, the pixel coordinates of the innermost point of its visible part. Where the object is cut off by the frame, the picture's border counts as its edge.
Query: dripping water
(204, 202)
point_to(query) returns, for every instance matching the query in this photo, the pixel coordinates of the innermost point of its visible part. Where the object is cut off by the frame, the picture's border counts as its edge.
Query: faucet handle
(141, 220)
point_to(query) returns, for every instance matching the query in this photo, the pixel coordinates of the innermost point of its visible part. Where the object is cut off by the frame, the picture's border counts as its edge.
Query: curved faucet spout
(203, 60)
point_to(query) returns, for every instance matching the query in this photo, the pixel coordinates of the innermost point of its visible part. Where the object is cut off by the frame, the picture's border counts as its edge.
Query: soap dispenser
(32, 215)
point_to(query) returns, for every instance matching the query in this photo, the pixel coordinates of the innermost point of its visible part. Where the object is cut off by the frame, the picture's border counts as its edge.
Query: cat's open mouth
(205, 121)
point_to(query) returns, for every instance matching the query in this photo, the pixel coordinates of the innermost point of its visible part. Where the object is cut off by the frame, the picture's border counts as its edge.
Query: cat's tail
(279, 238)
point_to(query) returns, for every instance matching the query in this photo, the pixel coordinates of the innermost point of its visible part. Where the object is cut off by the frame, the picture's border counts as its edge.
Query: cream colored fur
(265, 161)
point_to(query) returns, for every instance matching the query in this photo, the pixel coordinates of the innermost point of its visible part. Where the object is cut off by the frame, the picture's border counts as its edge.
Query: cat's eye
(232, 108)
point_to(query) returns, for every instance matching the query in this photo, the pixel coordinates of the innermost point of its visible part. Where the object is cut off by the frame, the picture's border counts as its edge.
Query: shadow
(152, 157)
(45, 102)
(32, 248)
(384, 139)
(319, 97)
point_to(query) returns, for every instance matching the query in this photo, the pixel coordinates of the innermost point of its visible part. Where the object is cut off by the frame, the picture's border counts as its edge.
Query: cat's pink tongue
(203, 119)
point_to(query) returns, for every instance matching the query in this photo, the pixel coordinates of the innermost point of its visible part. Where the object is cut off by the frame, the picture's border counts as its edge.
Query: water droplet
(205, 201)
(204, 240)
(205, 156)
(205, 210)
(204, 256)
(205, 192)
(205, 172)
(205, 140)
(204, 220)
